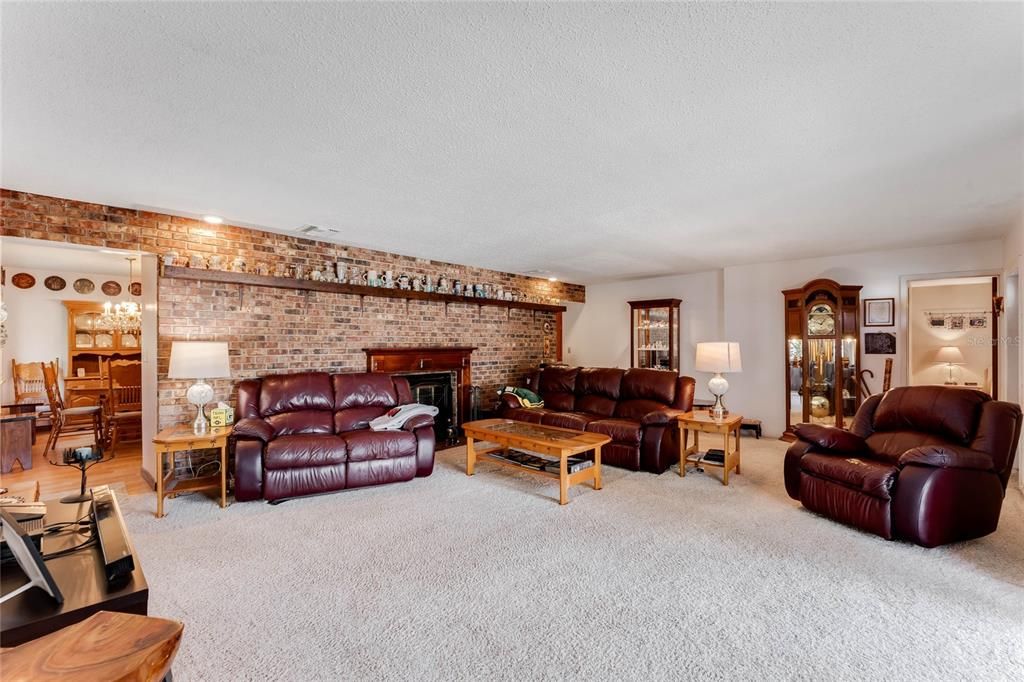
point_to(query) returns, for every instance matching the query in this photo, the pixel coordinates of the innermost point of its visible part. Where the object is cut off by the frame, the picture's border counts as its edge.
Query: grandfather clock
(822, 353)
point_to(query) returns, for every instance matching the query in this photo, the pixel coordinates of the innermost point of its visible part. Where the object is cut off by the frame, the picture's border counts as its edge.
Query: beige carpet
(654, 577)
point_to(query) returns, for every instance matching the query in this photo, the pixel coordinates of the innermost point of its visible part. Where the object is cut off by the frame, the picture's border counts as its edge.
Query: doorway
(953, 332)
(61, 304)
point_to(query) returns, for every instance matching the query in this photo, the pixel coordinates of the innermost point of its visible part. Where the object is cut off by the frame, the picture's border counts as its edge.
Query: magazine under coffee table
(560, 445)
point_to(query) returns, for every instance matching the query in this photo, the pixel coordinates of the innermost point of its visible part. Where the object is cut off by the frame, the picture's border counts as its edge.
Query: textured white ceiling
(594, 141)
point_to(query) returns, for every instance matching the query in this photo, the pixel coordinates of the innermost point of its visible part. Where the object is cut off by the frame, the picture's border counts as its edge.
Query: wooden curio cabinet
(90, 347)
(822, 350)
(654, 334)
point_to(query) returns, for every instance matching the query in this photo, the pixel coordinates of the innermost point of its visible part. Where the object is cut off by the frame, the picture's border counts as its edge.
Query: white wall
(1013, 257)
(596, 334)
(37, 321)
(744, 304)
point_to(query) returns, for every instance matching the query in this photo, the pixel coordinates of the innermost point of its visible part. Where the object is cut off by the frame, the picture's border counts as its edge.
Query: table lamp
(199, 360)
(718, 357)
(949, 356)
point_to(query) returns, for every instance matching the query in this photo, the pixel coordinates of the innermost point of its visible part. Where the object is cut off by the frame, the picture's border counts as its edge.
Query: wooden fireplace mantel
(411, 359)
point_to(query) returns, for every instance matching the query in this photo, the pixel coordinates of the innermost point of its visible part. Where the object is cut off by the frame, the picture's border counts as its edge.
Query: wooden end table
(703, 422)
(545, 440)
(181, 438)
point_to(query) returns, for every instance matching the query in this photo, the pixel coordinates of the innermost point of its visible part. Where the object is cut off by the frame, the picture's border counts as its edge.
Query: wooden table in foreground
(181, 438)
(699, 422)
(81, 577)
(105, 646)
(544, 440)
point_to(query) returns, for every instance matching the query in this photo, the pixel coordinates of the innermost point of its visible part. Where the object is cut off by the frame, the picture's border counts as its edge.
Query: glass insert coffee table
(557, 444)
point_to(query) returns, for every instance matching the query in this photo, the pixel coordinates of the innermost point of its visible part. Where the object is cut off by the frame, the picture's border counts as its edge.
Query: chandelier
(125, 317)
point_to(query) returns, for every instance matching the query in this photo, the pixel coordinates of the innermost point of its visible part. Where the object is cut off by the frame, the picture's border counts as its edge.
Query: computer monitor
(29, 558)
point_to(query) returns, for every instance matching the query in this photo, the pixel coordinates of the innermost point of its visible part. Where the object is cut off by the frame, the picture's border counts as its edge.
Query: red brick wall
(280, 330)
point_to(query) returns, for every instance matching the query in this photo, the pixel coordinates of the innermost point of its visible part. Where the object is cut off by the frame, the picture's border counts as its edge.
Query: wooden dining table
(23, 406)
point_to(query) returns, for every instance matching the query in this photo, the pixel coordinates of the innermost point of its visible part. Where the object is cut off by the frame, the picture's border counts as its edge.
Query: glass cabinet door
(654, 331)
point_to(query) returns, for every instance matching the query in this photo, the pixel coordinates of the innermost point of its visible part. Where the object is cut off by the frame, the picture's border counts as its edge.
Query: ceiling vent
(317, 231)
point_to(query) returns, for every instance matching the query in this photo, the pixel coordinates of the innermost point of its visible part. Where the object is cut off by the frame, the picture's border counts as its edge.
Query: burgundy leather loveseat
(636, 408)
(927, 464)
(302, 434)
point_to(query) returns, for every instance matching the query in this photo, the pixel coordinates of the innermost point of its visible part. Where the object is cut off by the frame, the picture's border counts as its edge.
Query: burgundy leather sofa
(636, 408)
(928, 464)
(302, 434)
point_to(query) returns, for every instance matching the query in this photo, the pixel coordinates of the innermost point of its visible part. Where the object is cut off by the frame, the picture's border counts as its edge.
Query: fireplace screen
(437, 389)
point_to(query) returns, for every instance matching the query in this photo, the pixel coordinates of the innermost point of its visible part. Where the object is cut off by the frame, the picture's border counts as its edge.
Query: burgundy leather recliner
(308, 433)
(636, 408)
(928, 464)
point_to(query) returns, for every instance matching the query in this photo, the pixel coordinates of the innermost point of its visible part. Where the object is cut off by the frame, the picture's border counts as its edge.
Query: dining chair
(29, 386)
(124, 400)
(67, 421)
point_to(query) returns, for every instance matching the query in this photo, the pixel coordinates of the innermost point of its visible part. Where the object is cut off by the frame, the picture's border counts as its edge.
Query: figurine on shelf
(171, 258)
(238, 264)
(456, 287)
(197, 260)
(341, 271)
(389, 279)
(262, 269)
(403, 282)
(442, 284)
(280, 270)
(216, 262)
(417, 284)
(316, 276)
(428, 283)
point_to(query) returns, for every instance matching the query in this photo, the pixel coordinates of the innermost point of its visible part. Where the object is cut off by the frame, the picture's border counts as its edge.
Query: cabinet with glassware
(654, 334)
(822, 353)
(95, 336)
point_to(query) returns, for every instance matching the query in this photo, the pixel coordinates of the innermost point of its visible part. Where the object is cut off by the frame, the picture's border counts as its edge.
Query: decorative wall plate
(54, 283)
(23, 280)
(83, 341)
(111, 288)
(84, 286)
(135, 288)
(129, 341)
(104, 341)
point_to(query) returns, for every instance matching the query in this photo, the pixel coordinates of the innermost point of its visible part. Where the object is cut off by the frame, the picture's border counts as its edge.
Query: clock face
(821, 321)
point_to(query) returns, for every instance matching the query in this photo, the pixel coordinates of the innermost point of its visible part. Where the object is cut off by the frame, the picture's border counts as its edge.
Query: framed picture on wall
(978, 321)
(956, 322)
(879, 312)
(879, 343)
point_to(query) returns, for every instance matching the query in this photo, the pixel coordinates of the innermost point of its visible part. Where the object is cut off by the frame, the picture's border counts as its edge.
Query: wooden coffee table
(544, 440)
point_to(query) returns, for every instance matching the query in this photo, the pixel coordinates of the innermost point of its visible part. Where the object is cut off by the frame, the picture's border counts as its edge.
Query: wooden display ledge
(197, 274)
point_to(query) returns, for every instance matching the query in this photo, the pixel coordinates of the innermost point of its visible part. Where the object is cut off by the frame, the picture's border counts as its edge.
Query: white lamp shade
(950, 355)
(199, 360)
(719, 356)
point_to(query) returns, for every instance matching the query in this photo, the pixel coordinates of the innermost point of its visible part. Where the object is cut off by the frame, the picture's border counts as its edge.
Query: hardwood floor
(123, 468)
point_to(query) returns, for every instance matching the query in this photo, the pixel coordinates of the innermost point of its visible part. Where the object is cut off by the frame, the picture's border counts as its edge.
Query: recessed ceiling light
(213, 219)
(552, 279)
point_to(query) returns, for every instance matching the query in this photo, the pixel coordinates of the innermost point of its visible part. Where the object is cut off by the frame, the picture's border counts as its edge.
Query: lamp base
(718, 387)
(199, 394)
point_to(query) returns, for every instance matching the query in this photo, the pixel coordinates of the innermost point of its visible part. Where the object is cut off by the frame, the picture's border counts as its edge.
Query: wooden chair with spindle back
(124, 399)
(68, 421)
(29, 386)
(28, 380)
